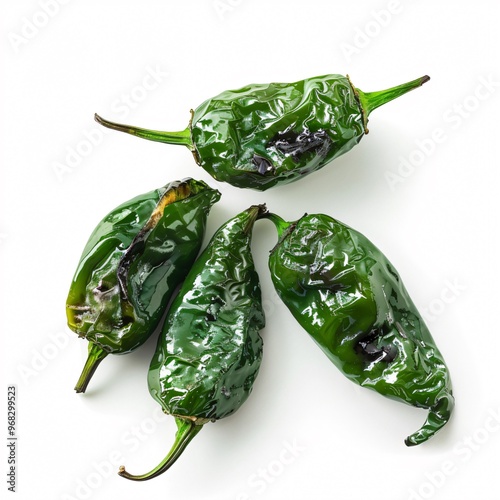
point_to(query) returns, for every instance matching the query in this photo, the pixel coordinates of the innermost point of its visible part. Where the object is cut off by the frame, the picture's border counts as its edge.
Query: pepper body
(264, 134)
(135, 258)
(209, 352)
(350, 299)
(267, 134)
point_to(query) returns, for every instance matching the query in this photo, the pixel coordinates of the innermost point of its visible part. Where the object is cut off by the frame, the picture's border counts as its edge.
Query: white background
(436, 222)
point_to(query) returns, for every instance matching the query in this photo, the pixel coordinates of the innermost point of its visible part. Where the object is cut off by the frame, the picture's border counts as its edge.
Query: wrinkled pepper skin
(209, 352)
(350, 299)
(267, 134)
(133, 261)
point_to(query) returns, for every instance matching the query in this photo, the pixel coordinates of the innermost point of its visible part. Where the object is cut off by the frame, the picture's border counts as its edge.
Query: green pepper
(135, 258)
(210, 349)
(265, 134)
(350, 299)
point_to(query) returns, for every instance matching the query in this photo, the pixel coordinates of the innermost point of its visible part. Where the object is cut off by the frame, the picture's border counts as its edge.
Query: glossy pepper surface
(351, 300)
(210, 349)
(135, 258)
(265, 134)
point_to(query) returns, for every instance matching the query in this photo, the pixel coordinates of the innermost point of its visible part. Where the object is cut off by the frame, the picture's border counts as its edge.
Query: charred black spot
(263, 164)
(124, 321)
(368, 349)
(101, 290)
(296, 144)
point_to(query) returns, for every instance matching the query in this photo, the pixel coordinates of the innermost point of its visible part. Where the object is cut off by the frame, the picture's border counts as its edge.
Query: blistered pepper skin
(350, 299)
(262, 135)
(135, 258)
(210, 349)
(267, 134)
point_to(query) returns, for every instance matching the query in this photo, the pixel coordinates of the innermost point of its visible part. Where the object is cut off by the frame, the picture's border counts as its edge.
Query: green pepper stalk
(209, 352)
(265, 134)
(350, 299)
(135, 258)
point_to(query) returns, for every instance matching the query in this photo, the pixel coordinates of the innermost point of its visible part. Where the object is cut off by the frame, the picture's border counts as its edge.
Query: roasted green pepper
(135, 258)
(350, 299)
(265, 134)
(210, 349)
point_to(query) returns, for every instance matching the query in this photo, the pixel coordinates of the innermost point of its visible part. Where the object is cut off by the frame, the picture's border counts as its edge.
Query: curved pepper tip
(438, 417)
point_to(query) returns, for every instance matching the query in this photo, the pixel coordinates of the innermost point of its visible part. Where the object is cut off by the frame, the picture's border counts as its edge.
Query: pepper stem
(372, 100)
(255, 212)
(183, 137)
(186, 431)
(96, 355)
(280, 224)
(438, 416)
